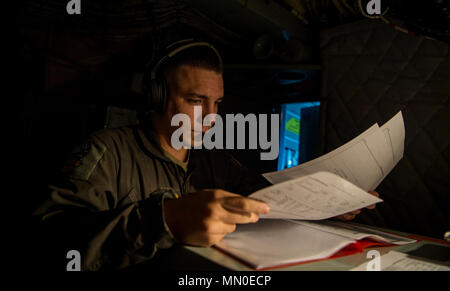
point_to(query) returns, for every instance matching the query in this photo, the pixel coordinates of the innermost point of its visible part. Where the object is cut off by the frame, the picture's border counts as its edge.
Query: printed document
(313, 197)
(397, 261)
(364, 161)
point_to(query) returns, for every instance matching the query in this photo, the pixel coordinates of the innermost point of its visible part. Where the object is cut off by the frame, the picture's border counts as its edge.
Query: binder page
(313, 197)
(356, 232)
(269, 243)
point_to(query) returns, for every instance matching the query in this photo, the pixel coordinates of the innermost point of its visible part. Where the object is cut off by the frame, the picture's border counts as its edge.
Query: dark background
(74, 66)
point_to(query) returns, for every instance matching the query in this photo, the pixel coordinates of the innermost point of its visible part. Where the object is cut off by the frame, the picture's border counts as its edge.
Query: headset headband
(190, 43)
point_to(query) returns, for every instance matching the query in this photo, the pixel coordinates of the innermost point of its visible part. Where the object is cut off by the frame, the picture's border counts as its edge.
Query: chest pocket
(130, 197)
(172, 192)
(133, 196)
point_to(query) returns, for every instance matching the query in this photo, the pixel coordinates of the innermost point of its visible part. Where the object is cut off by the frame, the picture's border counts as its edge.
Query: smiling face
(190, 86)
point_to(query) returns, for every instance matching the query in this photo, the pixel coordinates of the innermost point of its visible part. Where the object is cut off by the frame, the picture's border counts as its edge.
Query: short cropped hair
(198, 56)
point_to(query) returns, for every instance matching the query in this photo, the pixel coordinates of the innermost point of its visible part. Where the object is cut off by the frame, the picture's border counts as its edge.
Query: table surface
(225, 261)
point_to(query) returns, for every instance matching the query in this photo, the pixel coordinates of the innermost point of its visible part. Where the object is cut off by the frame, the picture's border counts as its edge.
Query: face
(189, 87)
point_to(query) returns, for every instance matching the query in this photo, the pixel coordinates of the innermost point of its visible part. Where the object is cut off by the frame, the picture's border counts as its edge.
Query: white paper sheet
(313, 197)
(396, 261)
(394, 133)
(330, 162)
(364, 161)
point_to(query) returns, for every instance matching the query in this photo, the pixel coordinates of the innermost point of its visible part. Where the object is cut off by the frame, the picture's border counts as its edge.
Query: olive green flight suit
(108, 202)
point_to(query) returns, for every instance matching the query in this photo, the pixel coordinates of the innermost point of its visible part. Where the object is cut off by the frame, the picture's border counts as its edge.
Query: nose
(209, 108)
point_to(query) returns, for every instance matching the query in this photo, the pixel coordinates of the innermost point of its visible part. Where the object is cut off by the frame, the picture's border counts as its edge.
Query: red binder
(351, 249)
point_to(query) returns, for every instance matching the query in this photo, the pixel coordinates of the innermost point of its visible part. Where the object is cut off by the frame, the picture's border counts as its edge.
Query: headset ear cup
(154, 97)
(150, 96)
(164, 95)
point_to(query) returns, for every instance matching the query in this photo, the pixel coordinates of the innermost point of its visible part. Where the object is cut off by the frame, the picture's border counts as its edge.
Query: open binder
(278, 243)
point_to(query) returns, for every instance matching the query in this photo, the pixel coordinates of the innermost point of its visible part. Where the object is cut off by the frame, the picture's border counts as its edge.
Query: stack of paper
(328, 186)
(364, 161)
(336, 183)
(271, 243)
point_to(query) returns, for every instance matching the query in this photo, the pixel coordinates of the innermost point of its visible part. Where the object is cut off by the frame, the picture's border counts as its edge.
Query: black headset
(154, 83)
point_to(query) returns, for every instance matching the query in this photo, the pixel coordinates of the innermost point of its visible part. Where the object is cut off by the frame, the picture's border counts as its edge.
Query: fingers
(233, 217)
(374, 193)
(241, 210)
(203, 218)
(239, 203)
(346, 217)
(218, 228)
(245, 205)
(210, 240)
(351, 215)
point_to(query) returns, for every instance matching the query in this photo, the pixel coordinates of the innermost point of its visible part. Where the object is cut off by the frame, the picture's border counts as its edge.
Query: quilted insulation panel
(370, 72)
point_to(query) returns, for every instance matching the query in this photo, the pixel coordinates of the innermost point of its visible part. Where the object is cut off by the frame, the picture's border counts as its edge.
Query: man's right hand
(203, 218)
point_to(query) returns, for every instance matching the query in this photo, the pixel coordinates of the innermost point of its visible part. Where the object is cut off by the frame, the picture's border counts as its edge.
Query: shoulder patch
(84, 159)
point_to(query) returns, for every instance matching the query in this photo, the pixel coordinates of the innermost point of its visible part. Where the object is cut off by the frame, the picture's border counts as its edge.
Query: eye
(195, 101)
(219, 101)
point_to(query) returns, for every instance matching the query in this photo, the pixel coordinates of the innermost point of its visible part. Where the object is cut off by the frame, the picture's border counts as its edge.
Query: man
(127, 192)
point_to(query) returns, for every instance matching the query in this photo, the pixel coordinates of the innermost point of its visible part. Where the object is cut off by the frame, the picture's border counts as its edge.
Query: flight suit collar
(150, 144)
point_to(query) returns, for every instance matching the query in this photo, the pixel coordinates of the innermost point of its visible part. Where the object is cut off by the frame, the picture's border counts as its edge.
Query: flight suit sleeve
(85, 212)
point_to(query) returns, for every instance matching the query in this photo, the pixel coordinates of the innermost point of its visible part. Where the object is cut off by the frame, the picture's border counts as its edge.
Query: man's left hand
(351, 215)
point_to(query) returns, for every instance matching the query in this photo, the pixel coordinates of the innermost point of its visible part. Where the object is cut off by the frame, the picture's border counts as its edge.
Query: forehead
(190, 79)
